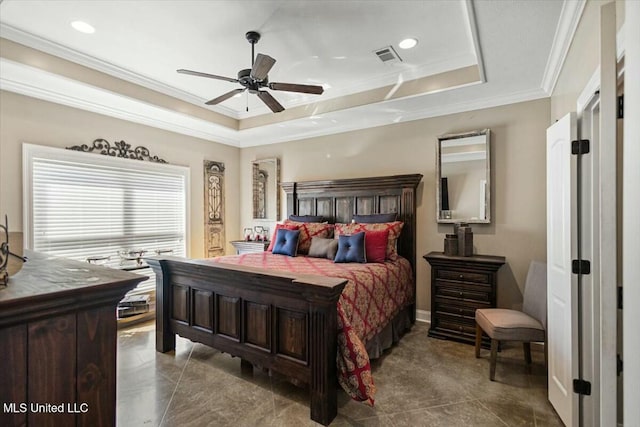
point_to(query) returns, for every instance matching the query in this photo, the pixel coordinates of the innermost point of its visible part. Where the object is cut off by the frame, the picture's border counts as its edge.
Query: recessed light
(408, 43)
(83, 27)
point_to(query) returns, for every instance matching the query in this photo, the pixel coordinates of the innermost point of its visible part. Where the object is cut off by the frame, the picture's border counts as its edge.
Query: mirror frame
(487, 197)
(276, 161)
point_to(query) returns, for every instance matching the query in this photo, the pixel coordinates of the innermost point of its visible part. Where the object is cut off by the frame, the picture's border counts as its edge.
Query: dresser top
(484, 259)
(45, 277)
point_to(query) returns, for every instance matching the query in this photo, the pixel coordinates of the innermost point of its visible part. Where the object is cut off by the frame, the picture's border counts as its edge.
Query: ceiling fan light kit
(256, 79)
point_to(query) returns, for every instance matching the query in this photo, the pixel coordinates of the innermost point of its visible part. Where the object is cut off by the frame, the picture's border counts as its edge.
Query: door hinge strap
(580, 266)
(580, 146)
(582, 387)
(620, 297)
(621, 107)
(618, 364)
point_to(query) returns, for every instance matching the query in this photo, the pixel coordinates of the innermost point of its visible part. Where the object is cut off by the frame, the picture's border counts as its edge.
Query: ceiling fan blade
(271, 102)
(211, 76)
(262, 66)
(292, 87)
(225, 96)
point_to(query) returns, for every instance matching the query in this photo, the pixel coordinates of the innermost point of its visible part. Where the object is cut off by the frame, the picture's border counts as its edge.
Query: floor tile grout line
(492, 413)
(426, 408)
(177, 384)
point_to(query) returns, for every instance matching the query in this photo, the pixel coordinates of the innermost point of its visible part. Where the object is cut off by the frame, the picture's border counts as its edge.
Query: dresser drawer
(451, 324)
(482, 294)
(463, 276)
(462, 311)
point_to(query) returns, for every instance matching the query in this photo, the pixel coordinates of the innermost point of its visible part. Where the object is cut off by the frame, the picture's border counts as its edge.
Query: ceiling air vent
(388, 55)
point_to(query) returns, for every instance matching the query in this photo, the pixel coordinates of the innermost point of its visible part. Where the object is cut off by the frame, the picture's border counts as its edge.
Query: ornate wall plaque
(119, 149)
(214, 208)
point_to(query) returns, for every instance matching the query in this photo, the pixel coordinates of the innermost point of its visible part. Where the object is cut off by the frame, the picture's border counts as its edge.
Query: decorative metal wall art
(214, 208)
(5, 255)
(259, 192)
(119, 149)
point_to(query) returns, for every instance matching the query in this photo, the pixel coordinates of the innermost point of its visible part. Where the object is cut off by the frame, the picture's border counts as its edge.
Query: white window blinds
(85, 205)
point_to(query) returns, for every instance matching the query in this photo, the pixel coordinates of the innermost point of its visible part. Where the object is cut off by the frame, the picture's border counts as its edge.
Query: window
(80, 205)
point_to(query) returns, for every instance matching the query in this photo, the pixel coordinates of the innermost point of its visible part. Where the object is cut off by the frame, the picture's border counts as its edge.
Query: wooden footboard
(280, 321)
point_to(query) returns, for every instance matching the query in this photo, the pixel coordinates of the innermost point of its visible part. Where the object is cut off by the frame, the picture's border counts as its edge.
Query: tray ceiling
(503, 47)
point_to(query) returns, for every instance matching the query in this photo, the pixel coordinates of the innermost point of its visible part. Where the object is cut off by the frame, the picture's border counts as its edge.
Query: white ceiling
(516, 44)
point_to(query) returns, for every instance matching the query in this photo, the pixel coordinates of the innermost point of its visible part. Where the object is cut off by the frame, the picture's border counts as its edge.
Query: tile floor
(421, 382)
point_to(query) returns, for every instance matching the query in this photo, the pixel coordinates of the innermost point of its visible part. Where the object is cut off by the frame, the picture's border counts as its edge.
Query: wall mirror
(463, 178)
(266, 189)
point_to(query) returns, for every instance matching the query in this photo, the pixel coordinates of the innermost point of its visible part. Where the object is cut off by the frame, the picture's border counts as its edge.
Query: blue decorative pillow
(286, 242)
(351, 248)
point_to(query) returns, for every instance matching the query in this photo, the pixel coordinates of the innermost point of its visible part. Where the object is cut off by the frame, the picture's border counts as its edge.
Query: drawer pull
(461, 294)
(460, 310)
(460, 328)
(461, 276)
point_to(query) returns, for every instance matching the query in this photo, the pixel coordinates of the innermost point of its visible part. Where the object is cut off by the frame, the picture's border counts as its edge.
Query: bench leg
(494, 356)
(478, 340)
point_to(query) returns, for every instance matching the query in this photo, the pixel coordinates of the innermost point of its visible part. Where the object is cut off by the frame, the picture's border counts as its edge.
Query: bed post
(165, 339)
(323, 350)
(408, 216)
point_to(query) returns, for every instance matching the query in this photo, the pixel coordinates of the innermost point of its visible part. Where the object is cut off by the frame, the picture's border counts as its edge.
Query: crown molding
(52, 48)
(473, 27)
(369, 116)
(391, 78)
(566, 29)
(34, 82)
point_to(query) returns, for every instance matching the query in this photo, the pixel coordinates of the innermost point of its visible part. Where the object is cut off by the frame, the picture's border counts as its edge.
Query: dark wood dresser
(58, 334)
(460, 285)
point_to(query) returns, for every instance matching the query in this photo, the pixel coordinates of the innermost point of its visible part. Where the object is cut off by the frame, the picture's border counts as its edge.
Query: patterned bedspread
(374, 294)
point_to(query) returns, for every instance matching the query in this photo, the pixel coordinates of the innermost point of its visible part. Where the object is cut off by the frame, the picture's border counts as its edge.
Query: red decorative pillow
(375, 245)
(394, 228)
(309, 230)
(275, 232)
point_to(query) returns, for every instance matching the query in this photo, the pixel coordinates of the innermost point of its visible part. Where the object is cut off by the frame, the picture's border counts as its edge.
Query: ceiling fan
(255, 78)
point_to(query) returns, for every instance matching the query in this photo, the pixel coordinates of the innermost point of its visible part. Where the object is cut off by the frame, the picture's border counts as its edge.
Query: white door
(631, 213)
(562, 336)
(597, 123)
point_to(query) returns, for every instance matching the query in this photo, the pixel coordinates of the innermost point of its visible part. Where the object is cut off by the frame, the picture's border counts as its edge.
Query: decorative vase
(451, 245)
(465, 241)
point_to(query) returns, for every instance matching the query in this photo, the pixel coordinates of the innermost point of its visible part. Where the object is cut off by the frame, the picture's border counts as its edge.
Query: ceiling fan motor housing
(245, 79)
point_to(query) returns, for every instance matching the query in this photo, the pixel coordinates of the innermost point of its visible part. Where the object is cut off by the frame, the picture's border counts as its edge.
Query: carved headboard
(338, 200)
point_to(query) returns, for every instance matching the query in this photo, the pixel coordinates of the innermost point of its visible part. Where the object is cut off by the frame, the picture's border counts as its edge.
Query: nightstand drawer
(451, 324)
(461, 311)
(463, 276)
(463, 293)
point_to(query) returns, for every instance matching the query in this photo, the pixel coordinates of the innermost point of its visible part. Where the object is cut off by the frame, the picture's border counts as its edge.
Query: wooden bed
(281, 321)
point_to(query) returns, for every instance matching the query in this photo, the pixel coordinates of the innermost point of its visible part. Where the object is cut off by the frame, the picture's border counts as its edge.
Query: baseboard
(423, 316)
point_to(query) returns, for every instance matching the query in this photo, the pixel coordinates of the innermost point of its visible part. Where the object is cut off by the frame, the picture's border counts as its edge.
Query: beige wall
(518, 228)
(518, 161)
(582, 59)
(25, 119)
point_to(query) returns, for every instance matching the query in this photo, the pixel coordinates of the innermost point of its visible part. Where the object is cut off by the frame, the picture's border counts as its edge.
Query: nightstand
(460, 285)
(249, 246)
